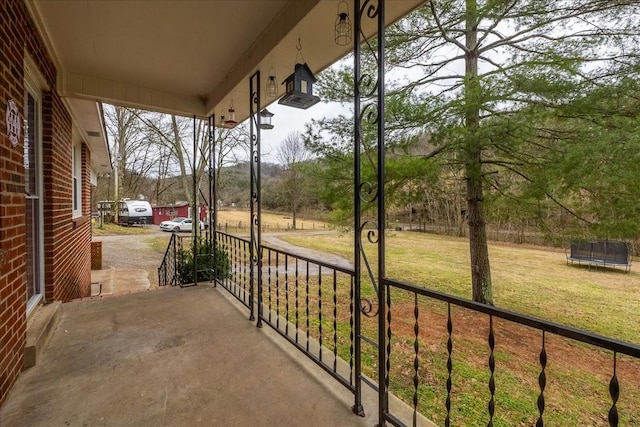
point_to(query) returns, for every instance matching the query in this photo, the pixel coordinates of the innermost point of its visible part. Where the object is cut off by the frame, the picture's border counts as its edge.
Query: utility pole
(116, 189)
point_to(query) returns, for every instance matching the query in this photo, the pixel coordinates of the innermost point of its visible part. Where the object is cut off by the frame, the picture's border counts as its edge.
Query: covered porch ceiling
(188, 57)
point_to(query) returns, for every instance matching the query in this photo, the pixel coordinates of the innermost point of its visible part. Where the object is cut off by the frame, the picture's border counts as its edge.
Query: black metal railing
(300, 298)
(497, 354)
(308, 302)
(442, 353)
(181, 267)
(168, 270)
(452, 360)
(238, 253)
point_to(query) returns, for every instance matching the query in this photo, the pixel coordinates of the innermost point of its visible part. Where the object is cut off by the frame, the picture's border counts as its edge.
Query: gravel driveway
(129, 263)
(132, 252)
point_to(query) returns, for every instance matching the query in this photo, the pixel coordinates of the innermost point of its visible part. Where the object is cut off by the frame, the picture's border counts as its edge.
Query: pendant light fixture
(343, 25)
(231, 117)
(272, 84)
(265, 119)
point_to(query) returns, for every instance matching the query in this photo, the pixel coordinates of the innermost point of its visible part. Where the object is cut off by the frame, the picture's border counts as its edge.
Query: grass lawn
(233, 221)
(530, 280)
(110, 229)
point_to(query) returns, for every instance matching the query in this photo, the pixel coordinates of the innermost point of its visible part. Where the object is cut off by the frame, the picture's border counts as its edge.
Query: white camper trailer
(135, 212)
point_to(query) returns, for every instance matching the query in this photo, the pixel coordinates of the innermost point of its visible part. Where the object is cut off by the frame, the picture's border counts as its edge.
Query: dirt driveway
(131, 251)
(129, 263)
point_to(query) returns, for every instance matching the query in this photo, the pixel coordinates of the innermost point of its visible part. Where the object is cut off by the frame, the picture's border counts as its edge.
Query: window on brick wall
(33, 183)
(76, 155)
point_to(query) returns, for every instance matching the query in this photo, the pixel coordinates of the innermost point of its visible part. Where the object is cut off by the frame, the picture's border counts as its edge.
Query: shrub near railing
(177, 267)
(211, 263)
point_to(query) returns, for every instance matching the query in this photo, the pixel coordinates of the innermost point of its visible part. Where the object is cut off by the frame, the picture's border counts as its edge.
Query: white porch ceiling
(188, 57)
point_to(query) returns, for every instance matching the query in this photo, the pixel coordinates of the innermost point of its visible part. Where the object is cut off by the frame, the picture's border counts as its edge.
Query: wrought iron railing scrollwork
(542, 381)
(369, 145)
(368, 307)
(255, 253)
(614, 393)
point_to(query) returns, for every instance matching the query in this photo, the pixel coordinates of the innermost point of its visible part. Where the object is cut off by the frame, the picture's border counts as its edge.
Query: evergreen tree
(499, 84)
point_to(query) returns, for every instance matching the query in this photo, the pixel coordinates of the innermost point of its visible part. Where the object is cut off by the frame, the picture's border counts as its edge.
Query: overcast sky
(289, 119)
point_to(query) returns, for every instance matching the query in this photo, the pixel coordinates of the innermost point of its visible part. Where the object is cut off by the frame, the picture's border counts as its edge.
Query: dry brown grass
(238, 220)
(530, 280)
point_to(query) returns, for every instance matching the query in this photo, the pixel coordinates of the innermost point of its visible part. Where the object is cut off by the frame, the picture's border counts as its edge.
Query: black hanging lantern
(265, 119)
(299, 88)
(343, 25)
(272, 84)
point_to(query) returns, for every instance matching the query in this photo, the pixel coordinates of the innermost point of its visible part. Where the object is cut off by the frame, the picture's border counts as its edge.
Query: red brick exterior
(67, 241)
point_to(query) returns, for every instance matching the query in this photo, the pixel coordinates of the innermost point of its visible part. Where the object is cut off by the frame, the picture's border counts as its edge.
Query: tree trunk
(294, 218)
(480, 268)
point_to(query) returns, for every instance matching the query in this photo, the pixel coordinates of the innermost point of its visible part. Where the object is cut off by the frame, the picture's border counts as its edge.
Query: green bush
(210, 264)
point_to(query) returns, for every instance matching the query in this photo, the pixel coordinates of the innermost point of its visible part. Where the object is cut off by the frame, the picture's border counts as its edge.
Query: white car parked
(179, 224)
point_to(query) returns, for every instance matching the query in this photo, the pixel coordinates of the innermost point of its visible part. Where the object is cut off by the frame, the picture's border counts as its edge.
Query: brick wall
(12, 243)
(67, 275)
(67, 241)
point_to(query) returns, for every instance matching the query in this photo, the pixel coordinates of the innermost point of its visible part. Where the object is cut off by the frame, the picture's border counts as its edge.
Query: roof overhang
(89, 126)
(188, 57)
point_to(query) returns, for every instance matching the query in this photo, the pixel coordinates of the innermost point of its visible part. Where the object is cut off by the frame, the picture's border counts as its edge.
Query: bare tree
(156, 150)
(292, 154)
(134, 157)
(231, 147)
(173, 136)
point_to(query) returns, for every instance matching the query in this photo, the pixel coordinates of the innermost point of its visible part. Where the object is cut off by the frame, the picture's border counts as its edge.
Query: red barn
(178, 209)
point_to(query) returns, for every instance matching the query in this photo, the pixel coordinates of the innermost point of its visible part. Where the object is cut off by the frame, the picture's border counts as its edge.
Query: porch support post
(194, 205)
(384, 297)
(369, 137)
(213, 206)
(255, 252)
(357, 324)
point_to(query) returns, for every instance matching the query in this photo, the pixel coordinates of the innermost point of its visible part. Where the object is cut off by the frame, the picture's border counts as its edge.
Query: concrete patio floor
(173, 357)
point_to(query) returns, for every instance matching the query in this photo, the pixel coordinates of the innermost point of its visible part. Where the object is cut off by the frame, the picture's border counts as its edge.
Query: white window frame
(76, 178)
(35, 84)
